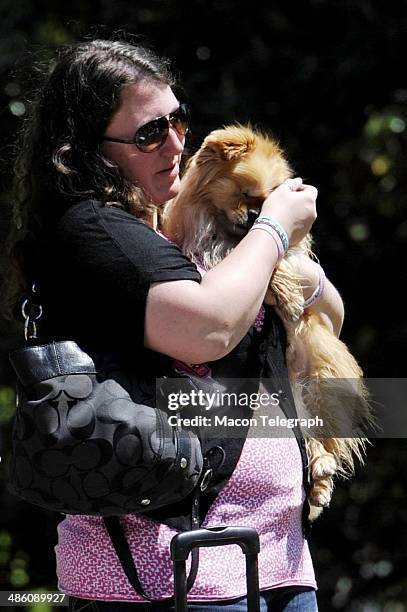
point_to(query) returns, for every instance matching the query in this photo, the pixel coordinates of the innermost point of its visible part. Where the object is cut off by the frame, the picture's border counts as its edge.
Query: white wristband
(272, 232)
(317, 294)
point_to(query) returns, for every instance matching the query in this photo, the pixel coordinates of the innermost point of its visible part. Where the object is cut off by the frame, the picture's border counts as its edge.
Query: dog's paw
(320, 494)
(314, 513)
(322, 467)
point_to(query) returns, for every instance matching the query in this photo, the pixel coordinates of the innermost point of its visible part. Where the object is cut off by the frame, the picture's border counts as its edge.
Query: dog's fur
(224, 185)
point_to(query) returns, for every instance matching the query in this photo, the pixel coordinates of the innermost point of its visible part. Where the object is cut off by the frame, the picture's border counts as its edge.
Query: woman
(100, 154)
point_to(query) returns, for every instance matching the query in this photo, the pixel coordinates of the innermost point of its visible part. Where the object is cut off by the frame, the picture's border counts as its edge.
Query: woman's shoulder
(83, 212)
(96, 223)
(92, 232)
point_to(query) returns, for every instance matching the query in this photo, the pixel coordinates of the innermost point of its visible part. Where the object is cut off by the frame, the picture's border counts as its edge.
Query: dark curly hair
(59, 158)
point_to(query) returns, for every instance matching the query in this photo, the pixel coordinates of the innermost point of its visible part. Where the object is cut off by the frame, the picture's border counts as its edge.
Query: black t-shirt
(96, 266)
(94, 270)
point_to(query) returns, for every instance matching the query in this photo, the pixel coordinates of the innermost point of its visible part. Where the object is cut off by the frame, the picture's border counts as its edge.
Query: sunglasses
(152, 135)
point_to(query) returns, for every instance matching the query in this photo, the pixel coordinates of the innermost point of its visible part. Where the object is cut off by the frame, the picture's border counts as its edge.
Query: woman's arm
(203, 322)
(330, 307)
(198, 323)
(330, 304)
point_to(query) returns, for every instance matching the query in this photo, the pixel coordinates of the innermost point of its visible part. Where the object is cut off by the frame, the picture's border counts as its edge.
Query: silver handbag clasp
(31, 313)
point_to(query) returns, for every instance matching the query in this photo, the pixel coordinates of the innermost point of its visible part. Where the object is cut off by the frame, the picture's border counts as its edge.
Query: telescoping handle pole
(182, 544)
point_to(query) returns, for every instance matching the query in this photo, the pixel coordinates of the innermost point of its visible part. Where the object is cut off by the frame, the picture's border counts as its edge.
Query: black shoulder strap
(121, 546)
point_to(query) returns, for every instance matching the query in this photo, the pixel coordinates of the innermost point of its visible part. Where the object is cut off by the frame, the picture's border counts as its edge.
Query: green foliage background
(326, 77)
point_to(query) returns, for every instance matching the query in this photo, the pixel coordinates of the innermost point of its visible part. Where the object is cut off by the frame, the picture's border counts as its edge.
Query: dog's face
(238, 169)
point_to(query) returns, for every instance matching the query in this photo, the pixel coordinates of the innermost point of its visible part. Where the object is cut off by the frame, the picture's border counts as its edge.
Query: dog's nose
(252, 215)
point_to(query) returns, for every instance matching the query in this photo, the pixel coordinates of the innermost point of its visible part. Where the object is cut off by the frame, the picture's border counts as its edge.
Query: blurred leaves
(7, 404)
(18, 570)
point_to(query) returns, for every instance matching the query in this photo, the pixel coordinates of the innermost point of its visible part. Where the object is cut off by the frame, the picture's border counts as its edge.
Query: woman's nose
(174, 143)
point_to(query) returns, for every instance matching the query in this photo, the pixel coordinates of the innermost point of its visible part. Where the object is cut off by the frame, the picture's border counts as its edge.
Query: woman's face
(156, 172)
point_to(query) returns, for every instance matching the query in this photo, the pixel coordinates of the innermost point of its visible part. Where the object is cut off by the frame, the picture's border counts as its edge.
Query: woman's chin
(163, 195)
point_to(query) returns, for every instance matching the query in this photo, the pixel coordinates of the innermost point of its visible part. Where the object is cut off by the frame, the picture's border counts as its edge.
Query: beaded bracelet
(272, 232)
(265, 219)
(318, 291)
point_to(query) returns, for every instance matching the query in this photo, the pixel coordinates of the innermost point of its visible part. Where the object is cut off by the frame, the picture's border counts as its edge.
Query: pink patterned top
(265, 491)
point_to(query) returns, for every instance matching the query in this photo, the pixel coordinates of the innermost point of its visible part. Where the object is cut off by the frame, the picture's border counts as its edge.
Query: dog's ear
(226, 145)
(230, 149)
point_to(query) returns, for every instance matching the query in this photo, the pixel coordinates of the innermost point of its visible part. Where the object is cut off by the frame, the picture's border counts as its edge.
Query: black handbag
(81, 445)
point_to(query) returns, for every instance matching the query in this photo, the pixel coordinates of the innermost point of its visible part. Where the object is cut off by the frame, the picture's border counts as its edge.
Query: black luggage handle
(182, 544)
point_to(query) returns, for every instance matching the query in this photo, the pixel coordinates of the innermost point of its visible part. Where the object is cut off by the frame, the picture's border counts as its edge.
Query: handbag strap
(122, 549)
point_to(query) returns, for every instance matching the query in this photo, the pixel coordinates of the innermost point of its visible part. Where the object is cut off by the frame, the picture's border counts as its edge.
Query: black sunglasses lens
(152, 135)
(179, 119)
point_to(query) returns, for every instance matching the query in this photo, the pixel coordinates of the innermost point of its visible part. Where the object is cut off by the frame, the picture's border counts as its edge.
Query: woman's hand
(293, 205)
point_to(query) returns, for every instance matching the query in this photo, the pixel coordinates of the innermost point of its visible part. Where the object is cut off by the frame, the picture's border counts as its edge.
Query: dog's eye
(252, 197)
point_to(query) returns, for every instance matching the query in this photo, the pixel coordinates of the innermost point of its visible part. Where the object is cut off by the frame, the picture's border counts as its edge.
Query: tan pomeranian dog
(222, 191)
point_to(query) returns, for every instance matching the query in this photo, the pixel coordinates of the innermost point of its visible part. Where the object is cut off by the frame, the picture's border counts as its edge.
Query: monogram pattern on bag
(81, 446)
